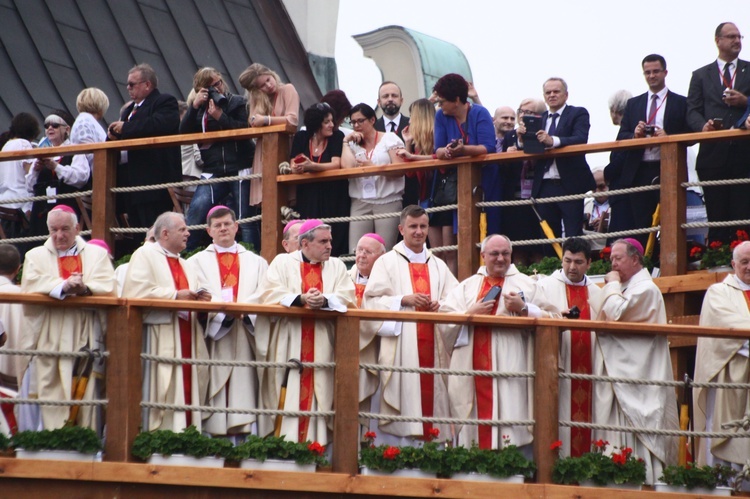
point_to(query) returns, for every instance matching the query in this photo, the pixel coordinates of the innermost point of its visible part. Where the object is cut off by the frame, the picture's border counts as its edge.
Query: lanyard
(728, 84)
(654, 112)
(464, 135)
(325, 144)
(368, 155)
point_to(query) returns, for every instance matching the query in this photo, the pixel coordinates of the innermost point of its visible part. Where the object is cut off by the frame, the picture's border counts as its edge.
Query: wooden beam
(104, 178)
(275, 149)
(469, 176)
(673, 210)
(346, 396)
(546, 391)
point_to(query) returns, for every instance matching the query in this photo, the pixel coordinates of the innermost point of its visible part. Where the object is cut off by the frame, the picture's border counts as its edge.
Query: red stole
(580, 363)
(69, 265)
(747, 297)
(420, 283)
(312, 277)
(229, 271)
(186, 337)
(482, 361)
(359, 290)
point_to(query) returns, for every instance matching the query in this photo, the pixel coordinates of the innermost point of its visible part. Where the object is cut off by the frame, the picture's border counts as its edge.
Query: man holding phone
(717, 98)
(490, 349)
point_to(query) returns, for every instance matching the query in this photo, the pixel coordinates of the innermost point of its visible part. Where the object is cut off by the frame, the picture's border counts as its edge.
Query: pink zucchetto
(65, 208)
(213, 210)
(309, 225)
(291, 224)
(101, 244)
(636, 244)
(372, 235)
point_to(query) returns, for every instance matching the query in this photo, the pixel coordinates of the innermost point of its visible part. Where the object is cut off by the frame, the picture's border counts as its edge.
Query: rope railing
(570, 197)
(143, 230)
(33, 239)
(641, 381)
(232, 410)
(31, 199)
(55, 403)
(185, 183)
(449, 372)
(453, 421)
(97, 354)
(237, 363)
(653, 431)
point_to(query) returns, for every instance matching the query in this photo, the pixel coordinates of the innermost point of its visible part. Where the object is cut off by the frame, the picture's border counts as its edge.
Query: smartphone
(573, 313)
(454, 143)
(492, 294)
(532, 123)
(299, 158)
(718, 123)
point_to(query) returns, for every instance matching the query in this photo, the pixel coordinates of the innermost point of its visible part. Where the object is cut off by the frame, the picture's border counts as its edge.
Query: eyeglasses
(217, 83)
(732, 37)
(525, 111)
(357, 122)
(131, 84)
(497, 254)
(53, 125)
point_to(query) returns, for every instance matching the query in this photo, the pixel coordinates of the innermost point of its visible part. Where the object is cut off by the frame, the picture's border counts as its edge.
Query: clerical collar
(361, 279)
(305, 259)
(413, 257)
(582, 282)
(167, 252)
(742, 285)
(220, 249)
(72, 251)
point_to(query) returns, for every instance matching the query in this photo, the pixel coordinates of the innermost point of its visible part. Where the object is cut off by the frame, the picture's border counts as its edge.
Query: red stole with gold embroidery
(69, 265)
(420, 283)
(359, 291)
(229, 271)
(312, 277)
(482, 361)
(580, 363)
(186, 337)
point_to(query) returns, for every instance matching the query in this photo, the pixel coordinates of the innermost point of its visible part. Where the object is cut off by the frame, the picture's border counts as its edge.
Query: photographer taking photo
(213, 109)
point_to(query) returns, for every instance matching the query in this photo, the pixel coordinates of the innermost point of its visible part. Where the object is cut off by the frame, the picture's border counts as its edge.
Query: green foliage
(599, 267)
(4, 442)
(189, 442)
(618, 468)
(702, 476)
(546, 266)
(272, 447)
(75, 438)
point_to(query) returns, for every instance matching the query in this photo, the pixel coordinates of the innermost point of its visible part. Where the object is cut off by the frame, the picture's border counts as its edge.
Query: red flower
(742, 235)
(370, 435)
(433, 433)
(555, 445)
(734, 244)
(715, 244)
(601, 444)
(619, 459)
(695, 252)
(316, 448)
(605, 252)
(627, 451)
(391, 453)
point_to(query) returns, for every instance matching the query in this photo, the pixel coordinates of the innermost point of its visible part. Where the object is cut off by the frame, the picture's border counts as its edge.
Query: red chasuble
(229, 271)
(580, 363)
(69, 265)
(420, 283)
(186, 337)
(482, 361)
(359, 290)
(312, 277)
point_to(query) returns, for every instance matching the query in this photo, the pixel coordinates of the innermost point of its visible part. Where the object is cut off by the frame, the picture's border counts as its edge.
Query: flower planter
(624, 486)
(183, 460)
(405, 473)
(681, 489)
(479, 477)
(277, 465)
(58, 455)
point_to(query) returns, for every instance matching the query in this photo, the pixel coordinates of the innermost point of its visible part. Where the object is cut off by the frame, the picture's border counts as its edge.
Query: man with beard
(390, 101)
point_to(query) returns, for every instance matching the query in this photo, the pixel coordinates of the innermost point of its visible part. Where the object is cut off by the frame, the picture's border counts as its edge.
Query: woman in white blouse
(372, 195)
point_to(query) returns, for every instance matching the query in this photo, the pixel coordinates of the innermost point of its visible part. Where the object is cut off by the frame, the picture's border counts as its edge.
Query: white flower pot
(681, 489)
(277, 465)
(479, 477)
(183, 460)
(58, 455)
(624, 486)
(406, 473)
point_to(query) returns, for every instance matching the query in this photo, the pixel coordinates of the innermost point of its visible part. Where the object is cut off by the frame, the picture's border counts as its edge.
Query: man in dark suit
(390, 101)
(656, 113)
(564, 125)
(719, 90)
(150, 114)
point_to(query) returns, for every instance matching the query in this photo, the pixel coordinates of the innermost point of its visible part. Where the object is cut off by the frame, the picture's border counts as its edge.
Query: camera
(573, 313)
(649, 130)
(216, 96)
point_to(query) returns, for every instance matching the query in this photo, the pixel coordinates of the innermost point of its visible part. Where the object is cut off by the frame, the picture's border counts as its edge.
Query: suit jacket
(675, 121)
(403, 123)
(704, 103)
(575, 174)
(156, 116)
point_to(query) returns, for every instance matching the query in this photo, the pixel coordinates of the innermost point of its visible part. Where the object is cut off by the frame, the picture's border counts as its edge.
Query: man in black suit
(563, 125)
(719, 90)
(390, 101)
(656, 113)
(150, 114)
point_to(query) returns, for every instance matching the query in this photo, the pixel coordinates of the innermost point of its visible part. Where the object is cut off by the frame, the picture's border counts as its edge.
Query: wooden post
(469, 176)
(123, 381)
(346, 396)
(546, 351)
(104, 179)
(673, 215)
(275, 148)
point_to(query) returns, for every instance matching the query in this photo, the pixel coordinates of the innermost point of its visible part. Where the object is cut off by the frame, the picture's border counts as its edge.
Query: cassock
(723, 360)
(11, 315)
(398, 273)
(637, 356)
(231, 275)
(65, 329)
(492, 349)
(153, 273)
(578, 350)
(279, 339)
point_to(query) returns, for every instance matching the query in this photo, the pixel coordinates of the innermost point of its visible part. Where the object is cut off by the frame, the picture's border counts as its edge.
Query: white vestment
(722, 360)
(512, 350)
(64, 329)
(554, 287)
(230, 387)
(11, 315)
(400, 393)
(149, 276)
(279, 339)
(637, 356)
(368, 352)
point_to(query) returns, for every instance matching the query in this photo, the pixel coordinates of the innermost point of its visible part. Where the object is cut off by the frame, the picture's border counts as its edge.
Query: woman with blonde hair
(270, 102)
(419, 138)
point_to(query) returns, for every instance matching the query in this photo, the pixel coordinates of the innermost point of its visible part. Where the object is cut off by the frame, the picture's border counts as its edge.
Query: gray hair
(147, 73)
(556, 78)
(630, 249)
(72, 216)
(487, 239)
(310, 234)
(618, 101)
(166, 221)
(736, 250)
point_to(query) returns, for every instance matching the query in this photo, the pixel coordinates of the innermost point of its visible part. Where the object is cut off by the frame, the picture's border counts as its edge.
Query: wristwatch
(525, 309)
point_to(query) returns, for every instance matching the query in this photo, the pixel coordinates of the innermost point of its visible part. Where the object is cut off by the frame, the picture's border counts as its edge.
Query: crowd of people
(394, 269)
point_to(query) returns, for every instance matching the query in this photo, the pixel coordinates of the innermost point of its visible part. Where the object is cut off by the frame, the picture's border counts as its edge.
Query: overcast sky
(512, 47)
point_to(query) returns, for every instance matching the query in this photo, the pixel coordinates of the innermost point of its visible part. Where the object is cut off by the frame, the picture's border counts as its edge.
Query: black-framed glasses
(131, 84)
(357, 122)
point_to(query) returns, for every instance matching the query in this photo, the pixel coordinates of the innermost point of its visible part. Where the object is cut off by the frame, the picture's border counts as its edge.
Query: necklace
(314, 150)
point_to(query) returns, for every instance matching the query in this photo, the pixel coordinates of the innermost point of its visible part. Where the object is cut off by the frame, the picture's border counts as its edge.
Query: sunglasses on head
(53, 125)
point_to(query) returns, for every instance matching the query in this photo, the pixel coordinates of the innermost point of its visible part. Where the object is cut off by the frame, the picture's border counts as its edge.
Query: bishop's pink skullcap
(309, 225)
(217, 207)
(291, 224)
(635, 243)
(372, 235)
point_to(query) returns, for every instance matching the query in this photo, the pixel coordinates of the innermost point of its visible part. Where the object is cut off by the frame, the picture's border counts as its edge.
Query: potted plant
(506, 465)
(187, 448)
(717, 256)
(706, 480)
(70, 443)
(279, 454)
(619, 469)
(406, 461)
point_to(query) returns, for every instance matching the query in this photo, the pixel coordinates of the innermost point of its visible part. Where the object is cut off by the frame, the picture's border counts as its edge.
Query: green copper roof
(438, 57)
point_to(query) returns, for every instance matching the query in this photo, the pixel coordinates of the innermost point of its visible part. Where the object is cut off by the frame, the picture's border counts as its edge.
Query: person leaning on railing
(23, 129)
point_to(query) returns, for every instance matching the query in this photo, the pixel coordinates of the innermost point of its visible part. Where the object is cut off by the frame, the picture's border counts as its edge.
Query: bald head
(504, 120)
(367, 252)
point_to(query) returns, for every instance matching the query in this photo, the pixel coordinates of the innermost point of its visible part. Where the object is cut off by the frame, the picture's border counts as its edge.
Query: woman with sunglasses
(317, 148)
(378, 194)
